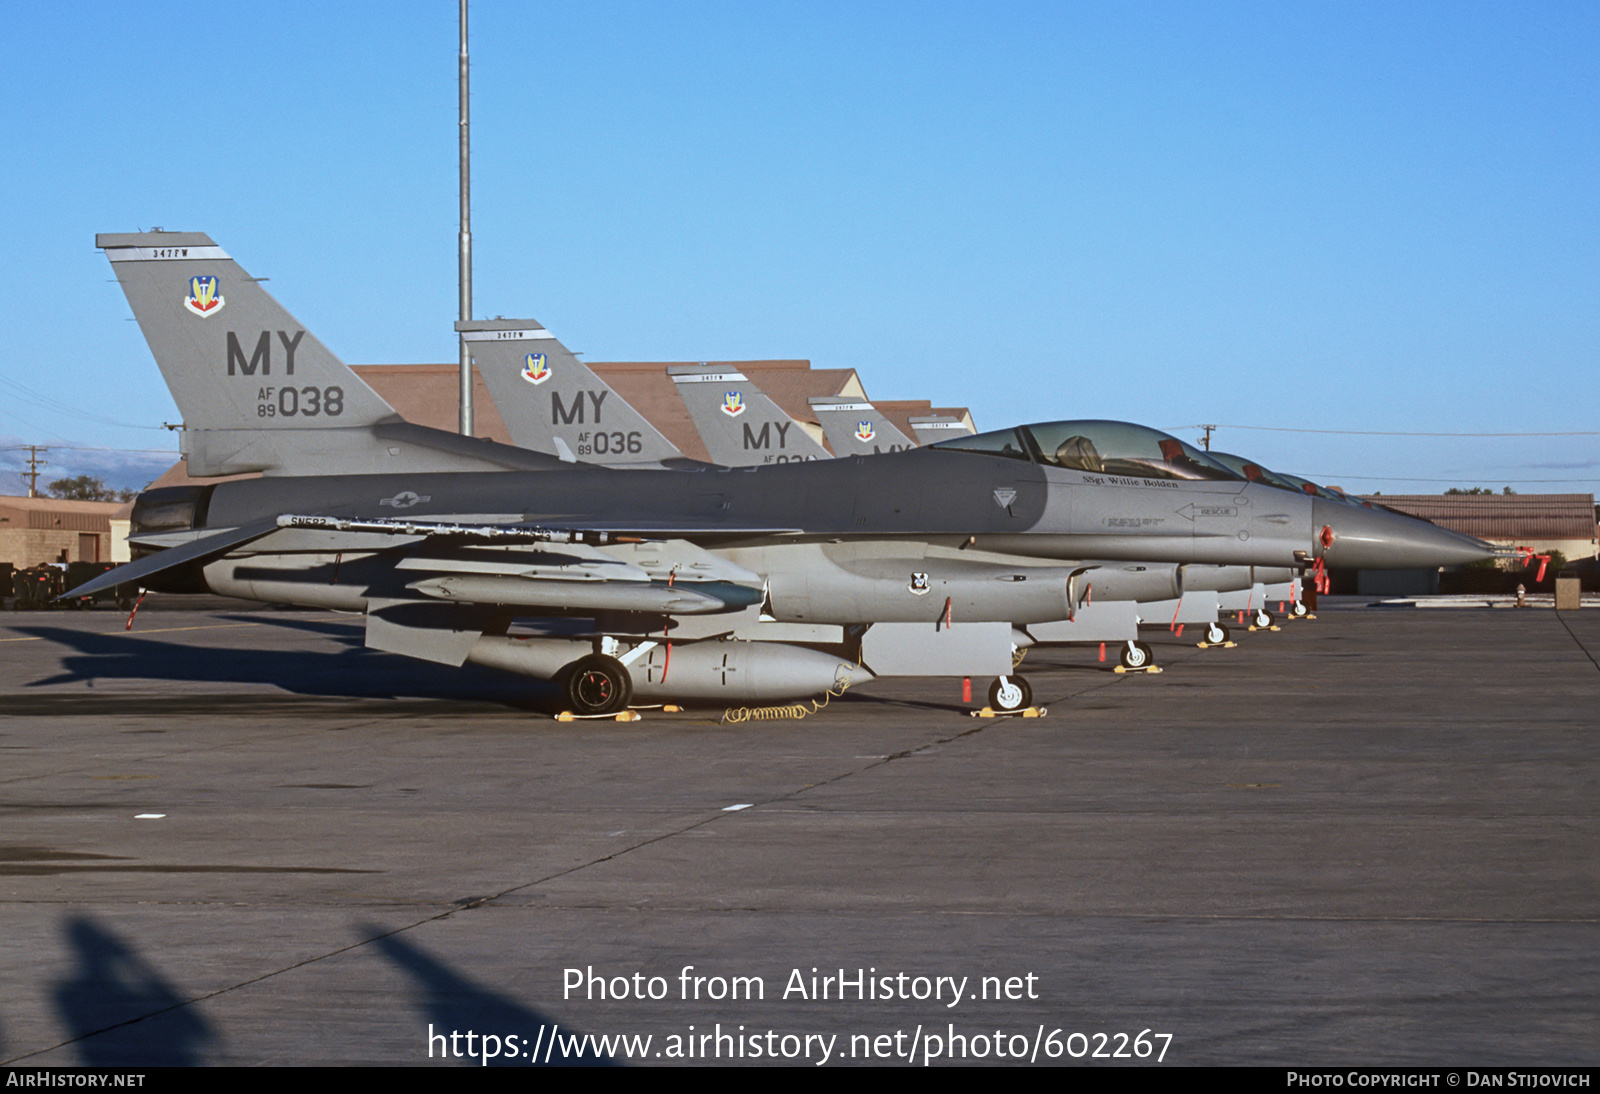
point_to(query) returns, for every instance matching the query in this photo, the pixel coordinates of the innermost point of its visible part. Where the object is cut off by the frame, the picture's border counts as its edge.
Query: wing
(439, 585)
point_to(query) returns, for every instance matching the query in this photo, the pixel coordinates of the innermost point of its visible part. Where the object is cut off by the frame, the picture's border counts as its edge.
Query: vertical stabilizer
(740, 425)
(938, 427)
(259, 392)
(554, 403)
(856, 428)
(233, 356)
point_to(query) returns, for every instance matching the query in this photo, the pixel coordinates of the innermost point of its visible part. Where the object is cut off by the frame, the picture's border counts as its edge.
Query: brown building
(35, 530)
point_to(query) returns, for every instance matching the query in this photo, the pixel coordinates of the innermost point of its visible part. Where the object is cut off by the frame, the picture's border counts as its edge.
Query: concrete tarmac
(236, 836)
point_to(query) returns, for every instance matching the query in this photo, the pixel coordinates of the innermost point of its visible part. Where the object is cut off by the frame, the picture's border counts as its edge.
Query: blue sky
(1359, 217)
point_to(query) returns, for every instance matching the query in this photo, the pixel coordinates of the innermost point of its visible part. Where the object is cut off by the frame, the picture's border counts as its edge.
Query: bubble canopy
(1098, 447)
(1254, 472)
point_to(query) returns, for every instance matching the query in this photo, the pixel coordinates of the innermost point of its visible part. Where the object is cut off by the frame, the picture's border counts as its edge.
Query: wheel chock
(1228, 645)
(620, 716)
(1274, 627)
(1025, 712)
(1147, 668)
(671, 708)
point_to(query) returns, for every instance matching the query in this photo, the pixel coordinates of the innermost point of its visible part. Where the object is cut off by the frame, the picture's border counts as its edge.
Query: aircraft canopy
(1098, 447)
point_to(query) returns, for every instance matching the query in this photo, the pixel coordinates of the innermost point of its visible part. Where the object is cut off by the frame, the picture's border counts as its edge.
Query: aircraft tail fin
(740, 425)
(554, 403)
(932, 428)
(259, 392)
(857, 428)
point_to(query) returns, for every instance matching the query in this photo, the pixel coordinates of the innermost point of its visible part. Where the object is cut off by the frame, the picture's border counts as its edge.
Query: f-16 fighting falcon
(702, 583)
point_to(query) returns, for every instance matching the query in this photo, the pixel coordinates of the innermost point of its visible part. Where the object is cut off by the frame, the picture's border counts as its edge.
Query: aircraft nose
(1371, 539)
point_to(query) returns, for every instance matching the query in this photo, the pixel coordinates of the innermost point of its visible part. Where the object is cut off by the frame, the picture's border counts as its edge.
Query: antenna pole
(466, 236)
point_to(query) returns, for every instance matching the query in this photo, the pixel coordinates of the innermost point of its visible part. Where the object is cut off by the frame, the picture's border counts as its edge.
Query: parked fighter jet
(761, 583)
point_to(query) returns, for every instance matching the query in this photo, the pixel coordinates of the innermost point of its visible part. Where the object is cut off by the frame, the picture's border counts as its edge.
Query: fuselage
(1002, 505)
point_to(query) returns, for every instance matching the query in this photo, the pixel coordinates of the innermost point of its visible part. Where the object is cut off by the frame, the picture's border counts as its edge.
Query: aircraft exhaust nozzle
(1354, 537)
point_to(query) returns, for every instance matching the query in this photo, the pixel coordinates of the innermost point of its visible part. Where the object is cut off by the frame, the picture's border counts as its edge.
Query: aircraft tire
(1137, 655)
(1264, 618)
(597, 684)
(1010, 693)
(1217, 633)
(1300, 609)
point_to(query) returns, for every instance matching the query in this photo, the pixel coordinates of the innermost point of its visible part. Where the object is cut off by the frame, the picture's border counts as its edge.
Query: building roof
(57, 514)
(1511, 518)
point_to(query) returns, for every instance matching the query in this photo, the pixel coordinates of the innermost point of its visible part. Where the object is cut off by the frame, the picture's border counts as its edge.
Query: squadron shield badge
(919, 583)
(203, 299)
(733, 403)
(535, 369)
(865, 432)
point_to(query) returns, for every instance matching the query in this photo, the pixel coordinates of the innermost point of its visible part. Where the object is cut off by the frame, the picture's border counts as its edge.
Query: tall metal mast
(466, 237)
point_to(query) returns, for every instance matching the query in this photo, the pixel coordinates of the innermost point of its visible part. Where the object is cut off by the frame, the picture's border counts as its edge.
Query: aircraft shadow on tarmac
(354, 672)
(120, 1011)
(449, 1002)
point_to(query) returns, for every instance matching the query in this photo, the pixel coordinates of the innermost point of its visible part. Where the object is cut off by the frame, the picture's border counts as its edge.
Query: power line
(1385, 433)
(93, 448)
(45, 402)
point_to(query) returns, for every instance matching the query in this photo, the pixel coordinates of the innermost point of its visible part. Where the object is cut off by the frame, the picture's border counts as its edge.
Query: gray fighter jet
(754, 584)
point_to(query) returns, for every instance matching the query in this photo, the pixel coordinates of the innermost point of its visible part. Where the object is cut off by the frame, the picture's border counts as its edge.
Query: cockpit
(1097, 447)
(1254, 472)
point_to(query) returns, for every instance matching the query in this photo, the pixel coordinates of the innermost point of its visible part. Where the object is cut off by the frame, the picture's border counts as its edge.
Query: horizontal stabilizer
(194, 551)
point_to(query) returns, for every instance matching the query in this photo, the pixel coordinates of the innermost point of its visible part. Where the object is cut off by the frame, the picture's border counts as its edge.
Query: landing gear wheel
(1300, 610)
(1010, 693)
(1216, 634)
(1137, 655)
(1264, 618)
(598, 684)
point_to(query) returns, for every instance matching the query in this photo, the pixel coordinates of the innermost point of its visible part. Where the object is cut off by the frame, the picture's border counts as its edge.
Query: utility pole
(466, 238)
(34, 463)
(1206, 440)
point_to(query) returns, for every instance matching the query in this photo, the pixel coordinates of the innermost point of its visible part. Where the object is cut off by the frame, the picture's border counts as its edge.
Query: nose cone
(1370, 539)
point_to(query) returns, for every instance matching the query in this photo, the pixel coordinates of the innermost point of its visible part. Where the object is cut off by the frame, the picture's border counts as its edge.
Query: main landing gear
(597, 684)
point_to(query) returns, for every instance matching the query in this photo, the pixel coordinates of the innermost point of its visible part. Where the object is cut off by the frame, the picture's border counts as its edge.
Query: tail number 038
(304, 402)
